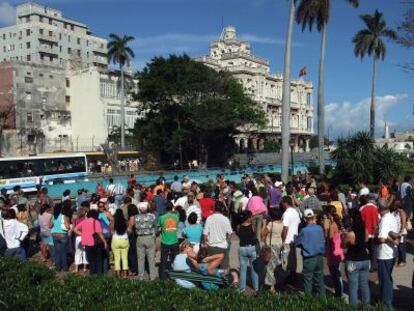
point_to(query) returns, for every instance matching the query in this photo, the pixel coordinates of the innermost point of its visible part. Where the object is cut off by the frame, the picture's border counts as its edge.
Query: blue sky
(162, 27)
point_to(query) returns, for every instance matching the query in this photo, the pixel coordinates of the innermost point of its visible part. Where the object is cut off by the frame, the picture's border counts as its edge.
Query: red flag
(303, 72)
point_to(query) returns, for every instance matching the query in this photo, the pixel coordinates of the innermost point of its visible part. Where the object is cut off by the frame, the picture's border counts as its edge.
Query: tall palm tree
(286, 95)
(317, 12)
(120, 53)
(369, 42)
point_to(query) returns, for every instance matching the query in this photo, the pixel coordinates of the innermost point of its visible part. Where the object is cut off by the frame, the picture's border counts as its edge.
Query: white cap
(278, 184)
(364, 191)
(308, 213)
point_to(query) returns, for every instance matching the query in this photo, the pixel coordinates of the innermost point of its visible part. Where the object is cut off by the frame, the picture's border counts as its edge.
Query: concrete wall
(87, 109)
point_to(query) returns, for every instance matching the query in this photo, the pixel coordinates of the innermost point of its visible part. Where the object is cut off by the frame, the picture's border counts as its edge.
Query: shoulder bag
(96, 238)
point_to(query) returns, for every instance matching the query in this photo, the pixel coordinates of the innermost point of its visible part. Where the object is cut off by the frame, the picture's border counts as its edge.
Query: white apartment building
(55, 74)
(95, 106)
(232, 54)
(43, 35)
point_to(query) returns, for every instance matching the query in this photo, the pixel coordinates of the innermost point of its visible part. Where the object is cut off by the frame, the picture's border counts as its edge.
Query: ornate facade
(235, 55)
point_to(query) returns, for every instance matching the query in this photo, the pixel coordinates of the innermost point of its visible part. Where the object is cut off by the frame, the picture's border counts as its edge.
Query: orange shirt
(384, 193)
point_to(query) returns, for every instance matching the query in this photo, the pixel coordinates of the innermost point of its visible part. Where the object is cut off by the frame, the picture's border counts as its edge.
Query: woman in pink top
(94, 253)
(258, 209)
(80, 252)
(334, 252)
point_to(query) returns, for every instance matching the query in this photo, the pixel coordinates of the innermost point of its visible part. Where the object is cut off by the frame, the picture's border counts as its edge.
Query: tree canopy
(187, 103)
(357, 158)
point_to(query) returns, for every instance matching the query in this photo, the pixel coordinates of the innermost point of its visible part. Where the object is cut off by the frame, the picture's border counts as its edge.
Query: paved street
(404, 294)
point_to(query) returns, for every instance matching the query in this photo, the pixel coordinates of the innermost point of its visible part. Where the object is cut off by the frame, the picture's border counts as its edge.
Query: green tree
(369, 42)
(286, 93)
(192, 111)
(317, 12)
(357, 158)
(271, 146)
(120, 53)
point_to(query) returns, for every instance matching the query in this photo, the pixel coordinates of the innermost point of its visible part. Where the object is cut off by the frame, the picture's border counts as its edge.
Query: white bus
(29, 172)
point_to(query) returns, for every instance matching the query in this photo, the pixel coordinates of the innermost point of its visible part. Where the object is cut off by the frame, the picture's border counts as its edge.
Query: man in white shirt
(217, 233)
(388, 241)
(291, 221)
(14, 233)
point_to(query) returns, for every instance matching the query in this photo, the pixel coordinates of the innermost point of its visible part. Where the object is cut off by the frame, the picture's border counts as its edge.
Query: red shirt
(150, 196)
(369, 215)
(132, 181)
(207, 207)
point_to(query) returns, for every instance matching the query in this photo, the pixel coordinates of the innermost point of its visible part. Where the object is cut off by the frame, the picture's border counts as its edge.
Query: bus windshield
(41, 167)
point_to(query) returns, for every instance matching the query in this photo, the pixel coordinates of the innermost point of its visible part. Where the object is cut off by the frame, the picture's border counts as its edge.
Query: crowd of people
(189, 227)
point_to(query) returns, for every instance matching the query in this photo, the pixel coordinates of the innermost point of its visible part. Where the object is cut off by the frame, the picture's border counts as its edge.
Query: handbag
(96, 238)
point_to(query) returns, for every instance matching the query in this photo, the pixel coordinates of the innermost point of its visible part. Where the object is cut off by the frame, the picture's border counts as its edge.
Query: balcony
(100, 60)
(47, 49)
(46, 37)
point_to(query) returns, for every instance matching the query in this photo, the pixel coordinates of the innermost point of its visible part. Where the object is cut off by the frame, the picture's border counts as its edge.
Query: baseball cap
(308, 213)
(278, 184)
(237, 195)
(364, 191)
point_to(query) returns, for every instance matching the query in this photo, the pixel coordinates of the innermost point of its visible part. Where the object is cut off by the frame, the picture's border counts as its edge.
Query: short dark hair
(275, 214)
(66, 192)
(175, 177)
(407, 178)
(93, 214)
(192, 218)
(169, 207)
(111, 180)
(127, 200)
(219, 207)
(85, 204)
(16, 188)
(288, 200)
(159, 191)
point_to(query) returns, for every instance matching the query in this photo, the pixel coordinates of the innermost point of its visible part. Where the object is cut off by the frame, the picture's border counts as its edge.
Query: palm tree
(120, 53)
(286, 95)
(317, 12)
(369, 42)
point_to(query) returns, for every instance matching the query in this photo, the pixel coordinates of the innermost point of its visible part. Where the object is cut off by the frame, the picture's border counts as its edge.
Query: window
(78, 40)
(51, 77)
(308, 99)
(67, 99)
(41, 31)
(72, 27)
(87, 42)
(69, 51)
(41, 19)
(60, 36)
(41, 75)
(67, 82)
(29, 117)
(309, 123)
(68, 38)
(27, 19)
(27, 45)
(27, 32)
(50, 21)
(79, 53)
(4, 36)
(28, 79)
(28, 96)
(28, 58)
(50, 33)
(60, 49)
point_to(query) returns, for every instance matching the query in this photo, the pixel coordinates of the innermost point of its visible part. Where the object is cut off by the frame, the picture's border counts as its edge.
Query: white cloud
(189, 43)
(346, 117)
(7, 14)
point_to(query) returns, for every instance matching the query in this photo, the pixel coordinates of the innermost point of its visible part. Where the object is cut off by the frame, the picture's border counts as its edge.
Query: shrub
(34, 287)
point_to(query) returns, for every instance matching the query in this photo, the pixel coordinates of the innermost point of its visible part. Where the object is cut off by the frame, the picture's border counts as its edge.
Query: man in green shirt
(168, 226)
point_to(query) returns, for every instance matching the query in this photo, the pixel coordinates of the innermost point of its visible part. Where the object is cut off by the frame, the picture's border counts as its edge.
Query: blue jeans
(17, 252)
(247, 254)
(335, 272)
(60, 252)
(358, 272)
(385, 281)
